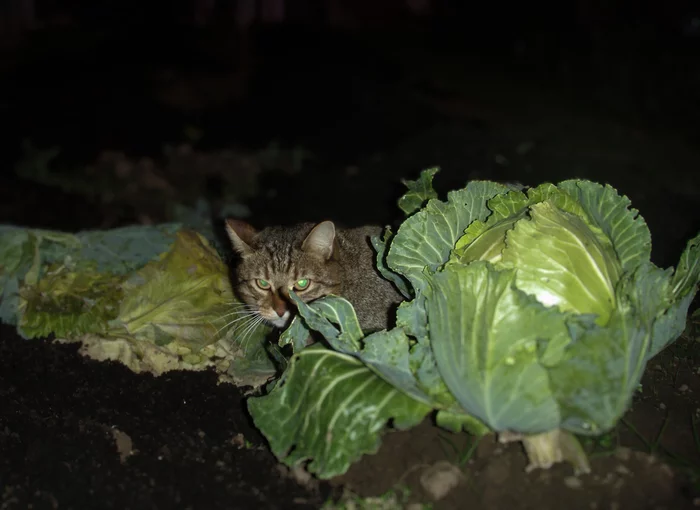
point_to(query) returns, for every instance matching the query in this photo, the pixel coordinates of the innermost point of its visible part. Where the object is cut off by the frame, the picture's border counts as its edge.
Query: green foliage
(419, 191)
(153, 297)
(532, 314)
(329, 408)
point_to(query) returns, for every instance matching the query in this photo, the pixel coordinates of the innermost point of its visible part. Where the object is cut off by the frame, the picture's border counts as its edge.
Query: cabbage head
(532, 313)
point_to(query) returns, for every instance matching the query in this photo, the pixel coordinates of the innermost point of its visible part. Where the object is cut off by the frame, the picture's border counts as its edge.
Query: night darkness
(304, 110)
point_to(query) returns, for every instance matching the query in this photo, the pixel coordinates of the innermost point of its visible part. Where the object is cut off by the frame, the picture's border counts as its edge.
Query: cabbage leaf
(329, 408)
(156, 298)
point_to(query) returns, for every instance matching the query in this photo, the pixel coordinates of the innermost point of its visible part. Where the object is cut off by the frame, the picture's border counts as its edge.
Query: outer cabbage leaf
(623, 225)
(333, 317)
(426, 239)
(295, 335)
(69, 303)
(185, 297)
(380, 245)
(687, 274)
(25, 255)
(595, 381)
(457, 422)
(175, 311)
(662, 297)
(603, 366)
(330, 408)
(392, 355)
(386, 352)
(123, 250)
(419, 191)
(669, 326)
(17, 255)
(487, 336)
(413, 319)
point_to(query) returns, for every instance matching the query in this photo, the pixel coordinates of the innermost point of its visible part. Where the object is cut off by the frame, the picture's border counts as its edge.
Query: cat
(315, 260)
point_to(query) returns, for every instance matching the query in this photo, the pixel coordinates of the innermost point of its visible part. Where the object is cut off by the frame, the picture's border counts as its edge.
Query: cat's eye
(302, 284)
(263, 284)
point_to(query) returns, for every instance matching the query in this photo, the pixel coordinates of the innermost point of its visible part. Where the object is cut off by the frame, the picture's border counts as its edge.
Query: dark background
(351, 81)
(513, 91)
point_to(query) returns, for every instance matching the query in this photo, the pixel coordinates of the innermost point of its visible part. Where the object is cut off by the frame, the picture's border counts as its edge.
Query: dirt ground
(75, 433)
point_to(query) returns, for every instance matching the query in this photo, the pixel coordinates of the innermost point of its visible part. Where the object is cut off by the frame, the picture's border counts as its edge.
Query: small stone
(623, 453)
(622, 470)
(684, 387)
(125, 447)
(440, 479)
(573, 482)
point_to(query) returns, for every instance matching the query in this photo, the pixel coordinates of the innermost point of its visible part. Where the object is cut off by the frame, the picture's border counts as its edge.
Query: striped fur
(275, 255)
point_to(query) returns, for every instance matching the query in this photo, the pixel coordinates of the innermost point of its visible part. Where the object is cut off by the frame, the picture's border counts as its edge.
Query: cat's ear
(321, 240)
(241, 234)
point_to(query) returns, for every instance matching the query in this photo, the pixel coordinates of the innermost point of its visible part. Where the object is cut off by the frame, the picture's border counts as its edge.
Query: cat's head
(277, 259)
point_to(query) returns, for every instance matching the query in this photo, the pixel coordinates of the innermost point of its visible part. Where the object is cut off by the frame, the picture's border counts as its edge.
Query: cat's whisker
(246, 331)
(248, 334)
(237, 319)
(238, 304)
(238, 312)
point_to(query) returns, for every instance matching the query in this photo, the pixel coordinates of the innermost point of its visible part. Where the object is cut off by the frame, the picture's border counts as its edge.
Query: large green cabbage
(532, 314)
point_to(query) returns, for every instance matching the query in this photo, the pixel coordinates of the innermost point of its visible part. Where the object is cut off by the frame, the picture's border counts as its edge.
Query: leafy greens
(156, 298)
(529, 313)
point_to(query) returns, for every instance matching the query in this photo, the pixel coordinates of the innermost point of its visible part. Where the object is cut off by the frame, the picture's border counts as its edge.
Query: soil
(76, 433)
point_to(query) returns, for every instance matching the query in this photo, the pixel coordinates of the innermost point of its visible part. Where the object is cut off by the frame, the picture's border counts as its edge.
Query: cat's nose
(279, 305)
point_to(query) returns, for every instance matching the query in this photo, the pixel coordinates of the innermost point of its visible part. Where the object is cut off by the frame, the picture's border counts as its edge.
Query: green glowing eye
(302, 284)
(263, 284)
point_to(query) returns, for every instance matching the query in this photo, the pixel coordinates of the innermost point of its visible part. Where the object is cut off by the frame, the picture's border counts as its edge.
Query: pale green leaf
(562, 263)
(187, 296)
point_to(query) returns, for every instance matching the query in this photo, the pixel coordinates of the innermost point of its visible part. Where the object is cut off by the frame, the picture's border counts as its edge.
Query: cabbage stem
(546, 449)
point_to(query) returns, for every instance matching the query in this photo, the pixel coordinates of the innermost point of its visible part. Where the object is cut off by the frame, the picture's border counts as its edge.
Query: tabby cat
(314, 260)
